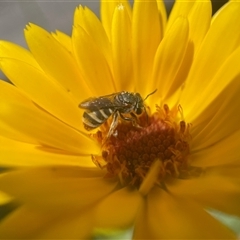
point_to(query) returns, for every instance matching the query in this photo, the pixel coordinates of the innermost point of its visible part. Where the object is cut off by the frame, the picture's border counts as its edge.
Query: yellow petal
(199, 17)
(25, 154)
(162, 15)
(11, 50)
(56, 61)
(46, 93)
(167, 216)
(92, 63)
(119, 209)
(168, 59)
(215, 184)
(219, 120)
(223, 152)
(121, 45)
(57, 188)
(24, 223)
(21, 114)
(32, 223)
(174, 93)
(214, 51)
(107, 8)
(63, 39)
(199, 21)
(180, 9)
(151, 177)
(4, 199)
(12, 133)
(76, 225)
(146, 36)
(223, 77)
(86, 19)
(198, 14)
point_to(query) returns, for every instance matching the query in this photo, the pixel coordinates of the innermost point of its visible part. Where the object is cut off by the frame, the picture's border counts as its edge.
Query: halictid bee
(121, 104)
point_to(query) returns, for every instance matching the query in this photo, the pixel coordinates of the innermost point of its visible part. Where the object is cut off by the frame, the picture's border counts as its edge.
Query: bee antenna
(149, 94)
(145, 99)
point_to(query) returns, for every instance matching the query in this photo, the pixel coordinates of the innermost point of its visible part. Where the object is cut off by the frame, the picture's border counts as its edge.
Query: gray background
(50, 14)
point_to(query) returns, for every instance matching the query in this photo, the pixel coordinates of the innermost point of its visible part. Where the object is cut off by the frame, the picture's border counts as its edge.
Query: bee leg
(146, 113)
(113, 124)
(133, 119)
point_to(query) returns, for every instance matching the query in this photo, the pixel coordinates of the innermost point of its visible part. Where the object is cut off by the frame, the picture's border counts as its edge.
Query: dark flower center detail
(131, 151)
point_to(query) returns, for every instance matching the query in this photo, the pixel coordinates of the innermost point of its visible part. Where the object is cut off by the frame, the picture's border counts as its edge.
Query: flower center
(132, 151)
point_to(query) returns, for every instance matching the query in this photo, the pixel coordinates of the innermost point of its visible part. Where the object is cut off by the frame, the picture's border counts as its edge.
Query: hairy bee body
(122, 104)
(98, 111)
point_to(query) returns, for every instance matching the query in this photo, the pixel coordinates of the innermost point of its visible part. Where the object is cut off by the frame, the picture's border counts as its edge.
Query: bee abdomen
(94, 119)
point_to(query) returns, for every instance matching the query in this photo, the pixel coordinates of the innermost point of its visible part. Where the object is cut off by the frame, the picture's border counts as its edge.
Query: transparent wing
(98, 103)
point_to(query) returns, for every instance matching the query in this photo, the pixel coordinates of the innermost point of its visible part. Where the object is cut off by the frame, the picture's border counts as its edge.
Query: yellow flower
(158, 172)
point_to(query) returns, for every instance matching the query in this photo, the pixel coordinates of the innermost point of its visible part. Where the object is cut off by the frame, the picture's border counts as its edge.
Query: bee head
(139, 108)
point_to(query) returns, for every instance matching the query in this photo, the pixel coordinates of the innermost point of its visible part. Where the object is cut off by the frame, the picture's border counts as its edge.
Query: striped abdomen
(96, 118)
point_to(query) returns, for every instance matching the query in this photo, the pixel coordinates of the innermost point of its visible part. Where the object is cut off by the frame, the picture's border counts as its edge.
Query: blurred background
(49, 14)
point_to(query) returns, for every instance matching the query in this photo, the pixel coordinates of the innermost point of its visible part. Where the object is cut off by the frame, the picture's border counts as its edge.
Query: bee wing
(97, 103)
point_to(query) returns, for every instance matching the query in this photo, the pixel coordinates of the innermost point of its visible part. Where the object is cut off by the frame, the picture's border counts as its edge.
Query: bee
(126, 105)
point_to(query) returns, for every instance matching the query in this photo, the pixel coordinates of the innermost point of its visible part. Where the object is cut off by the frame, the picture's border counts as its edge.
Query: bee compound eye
(139, 111)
